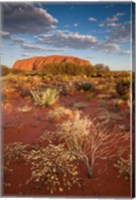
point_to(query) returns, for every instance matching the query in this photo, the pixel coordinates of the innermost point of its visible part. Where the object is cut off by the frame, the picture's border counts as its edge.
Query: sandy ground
(27, 127)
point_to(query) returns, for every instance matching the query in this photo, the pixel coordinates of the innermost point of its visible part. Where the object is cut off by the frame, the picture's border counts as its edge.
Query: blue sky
(98, 32)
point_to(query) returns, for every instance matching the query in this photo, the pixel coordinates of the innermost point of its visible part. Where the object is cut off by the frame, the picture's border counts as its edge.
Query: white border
(67, 1)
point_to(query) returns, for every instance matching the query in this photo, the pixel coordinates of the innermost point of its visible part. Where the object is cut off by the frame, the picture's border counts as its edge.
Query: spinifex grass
(45, 98)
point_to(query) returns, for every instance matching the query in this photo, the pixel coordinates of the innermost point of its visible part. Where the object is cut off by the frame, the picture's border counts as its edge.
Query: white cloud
(17, 40)
(63, 39)
(120, 33)
(13, 39)
(124, 52)
(101, 25)
(5, 35)
(31, 47)
(113, 24)
(75, 25)
(115, 17)
(25, 55)
(112, 21)
(111, 46)
(107, 47)
(26, 18)
(91, 19)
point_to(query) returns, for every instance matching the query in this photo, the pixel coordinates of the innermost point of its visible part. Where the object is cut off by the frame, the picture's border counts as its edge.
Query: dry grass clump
(103, 145)
(45, 98)
(73, 130)
(60, 112)
(24, 108)
(75, 134)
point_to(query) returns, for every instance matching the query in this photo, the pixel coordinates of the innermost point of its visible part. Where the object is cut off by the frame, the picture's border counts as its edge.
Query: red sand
(27, 127)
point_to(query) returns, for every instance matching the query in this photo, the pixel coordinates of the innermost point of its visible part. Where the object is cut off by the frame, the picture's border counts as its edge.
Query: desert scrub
(75, 135)
(53, 168)
(90, 95)
(45, 98)
(60, 112)
(123, 88)
(4, 70)
(79, 128)
(103, 145)
(89, 141)
(85, 86)
(15, 151)
(123, 167)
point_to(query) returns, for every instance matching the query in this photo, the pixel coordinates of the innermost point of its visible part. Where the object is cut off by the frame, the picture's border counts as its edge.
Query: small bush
(75, 134)
(73, 131)
(53, 167)
(123, 88)
(86, 86)
(17, 71)
(68, 68)
(15, 151)
(5, 70)
(89, 141)
(123, 166)
(45, 98)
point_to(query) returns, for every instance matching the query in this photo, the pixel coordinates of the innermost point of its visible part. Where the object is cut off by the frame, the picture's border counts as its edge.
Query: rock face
(36, 63)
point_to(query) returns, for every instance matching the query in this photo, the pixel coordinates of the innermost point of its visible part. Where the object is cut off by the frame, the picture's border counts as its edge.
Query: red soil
(27, 127)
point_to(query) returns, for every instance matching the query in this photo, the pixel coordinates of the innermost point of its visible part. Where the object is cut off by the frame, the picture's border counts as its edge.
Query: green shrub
(17, 71)
(45, 98)
(5, 70)
(31, 73)
(86, 86)
(68, 68)
(123, 88)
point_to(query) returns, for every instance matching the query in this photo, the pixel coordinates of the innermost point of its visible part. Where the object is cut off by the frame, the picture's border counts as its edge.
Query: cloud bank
(26, 18)
(68, 40)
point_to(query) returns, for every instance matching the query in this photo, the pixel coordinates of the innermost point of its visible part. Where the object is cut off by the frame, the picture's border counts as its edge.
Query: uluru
(37, 63)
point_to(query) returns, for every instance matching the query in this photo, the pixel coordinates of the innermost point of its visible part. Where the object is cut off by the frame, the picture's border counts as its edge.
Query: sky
(98, 32)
